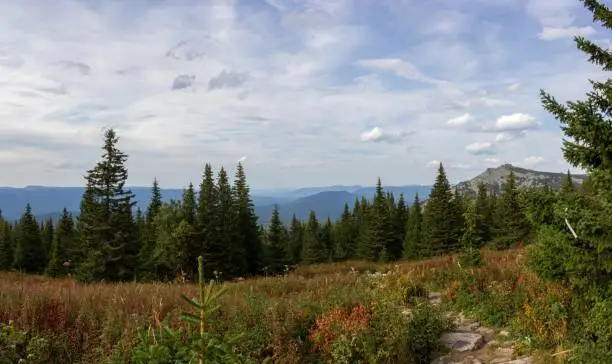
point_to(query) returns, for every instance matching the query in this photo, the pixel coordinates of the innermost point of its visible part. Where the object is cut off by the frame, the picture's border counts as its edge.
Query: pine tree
(345, 236)
(483, 215)
(47, 233)
(296, 240)
(399, 220)
(60, 260)
(233, 258)
(6, 245)
(210, 248)
(277, 244)
(188, 215)
(29, 250)
(439, 217)
(413, 241)
(170, 255)
(247, 227)
(584, 262)
(567, 185)
(147, 235)
(377, 234)
(106, 216)
(326, 236)
(512, 225)
(313, 249)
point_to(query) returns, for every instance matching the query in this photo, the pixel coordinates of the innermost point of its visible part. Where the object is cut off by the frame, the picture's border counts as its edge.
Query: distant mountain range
(326, 201)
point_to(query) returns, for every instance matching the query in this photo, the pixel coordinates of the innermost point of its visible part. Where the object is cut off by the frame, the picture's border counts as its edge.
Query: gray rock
(486, 331)
(463, 341)
(435, 298)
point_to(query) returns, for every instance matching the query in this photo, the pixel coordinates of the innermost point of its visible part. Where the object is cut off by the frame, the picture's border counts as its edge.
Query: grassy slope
(274, 310)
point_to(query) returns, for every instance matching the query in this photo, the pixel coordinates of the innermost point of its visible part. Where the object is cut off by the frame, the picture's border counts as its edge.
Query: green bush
(20, 347)
(470, 257)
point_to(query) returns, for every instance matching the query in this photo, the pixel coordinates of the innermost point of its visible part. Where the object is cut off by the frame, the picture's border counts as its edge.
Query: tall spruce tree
(377, 236)
(210, 249)
(6, 245)
(413, 241)
(345, 236)
(439, 217)
(233, 263)
(584, 262)
(246, 222)
(106, 215)
(399, 219)
(296, 240)
(29, 250)
(60, 260)
(276, 237)
(483, 212)
(147, 235)
(313, 249)
(512, 225)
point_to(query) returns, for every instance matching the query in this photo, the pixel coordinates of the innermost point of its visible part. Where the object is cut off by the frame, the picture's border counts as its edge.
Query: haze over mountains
(325, 201)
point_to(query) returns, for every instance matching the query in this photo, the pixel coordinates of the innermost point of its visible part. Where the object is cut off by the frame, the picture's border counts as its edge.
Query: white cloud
(289, 85)
(549, 33)
(514, 122)
(459, 120)
(242, 159)
(433, 164)
(557, 18)
(478, 148)
(492, 161)
(514, 86)
(376, 134)
(532, 161)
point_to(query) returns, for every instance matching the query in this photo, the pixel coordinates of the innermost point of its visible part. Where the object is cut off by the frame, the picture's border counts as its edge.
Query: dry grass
(101, 315)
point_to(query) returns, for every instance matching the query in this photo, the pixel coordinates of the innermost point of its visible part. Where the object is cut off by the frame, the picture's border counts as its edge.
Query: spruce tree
(413, 241)
(47, 232)
(246, 222)
(399, 220)
(313, 249)
(439, 217)
(60, 261)
(377, 236)
(106, 215)
(296, 240)
(345, 236)
(188, 214)
(585, 261)
(233, 258)
(29, 251)
(277, 244)
(483, 212)
(147, 235)
(512, 225)
(207, 206)
(6, 245)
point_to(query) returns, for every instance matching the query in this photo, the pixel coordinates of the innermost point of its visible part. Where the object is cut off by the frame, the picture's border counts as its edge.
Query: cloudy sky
(305, 92)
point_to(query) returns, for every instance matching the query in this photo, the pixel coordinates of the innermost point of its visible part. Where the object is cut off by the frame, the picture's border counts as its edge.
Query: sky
(302, 92)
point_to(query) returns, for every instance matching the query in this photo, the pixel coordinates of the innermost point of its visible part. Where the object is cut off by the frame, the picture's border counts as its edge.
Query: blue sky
(304, 92)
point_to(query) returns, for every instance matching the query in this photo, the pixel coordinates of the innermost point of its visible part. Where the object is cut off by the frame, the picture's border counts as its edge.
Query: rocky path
(473, 343)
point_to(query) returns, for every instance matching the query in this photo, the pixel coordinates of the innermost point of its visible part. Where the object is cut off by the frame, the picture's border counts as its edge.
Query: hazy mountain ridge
(47, 202)
(495, 178)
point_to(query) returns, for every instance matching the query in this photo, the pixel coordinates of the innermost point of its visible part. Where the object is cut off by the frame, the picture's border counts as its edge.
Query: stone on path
(463, 341)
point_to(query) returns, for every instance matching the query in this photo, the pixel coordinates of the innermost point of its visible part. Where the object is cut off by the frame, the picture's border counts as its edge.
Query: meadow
(322, 313)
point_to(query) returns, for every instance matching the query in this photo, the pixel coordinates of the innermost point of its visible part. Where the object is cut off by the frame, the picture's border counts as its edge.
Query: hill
(495, 178)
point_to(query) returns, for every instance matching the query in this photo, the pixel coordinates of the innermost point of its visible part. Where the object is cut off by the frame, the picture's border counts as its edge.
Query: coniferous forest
(519, 276)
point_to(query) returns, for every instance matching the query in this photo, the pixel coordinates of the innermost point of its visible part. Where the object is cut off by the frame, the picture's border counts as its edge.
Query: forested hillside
(217, 220)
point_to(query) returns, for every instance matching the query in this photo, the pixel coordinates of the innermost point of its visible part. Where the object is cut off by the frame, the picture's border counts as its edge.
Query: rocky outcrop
(495, 178)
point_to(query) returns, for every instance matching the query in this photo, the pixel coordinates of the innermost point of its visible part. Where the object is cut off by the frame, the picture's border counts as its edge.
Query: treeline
(107, 242)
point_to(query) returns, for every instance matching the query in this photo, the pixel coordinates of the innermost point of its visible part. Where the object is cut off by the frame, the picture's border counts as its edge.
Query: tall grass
(88, 322)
